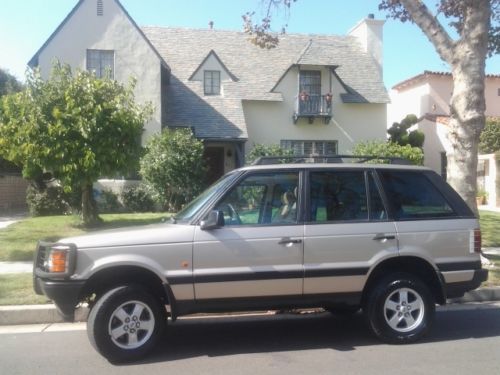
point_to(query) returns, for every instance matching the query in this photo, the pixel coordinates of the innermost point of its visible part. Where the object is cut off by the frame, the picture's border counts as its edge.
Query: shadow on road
(214, 337)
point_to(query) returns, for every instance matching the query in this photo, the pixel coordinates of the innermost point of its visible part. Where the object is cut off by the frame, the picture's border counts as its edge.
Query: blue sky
(26, 24)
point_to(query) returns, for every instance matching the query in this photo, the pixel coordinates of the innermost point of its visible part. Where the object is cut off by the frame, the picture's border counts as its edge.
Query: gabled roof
(258, 70)
(34, 60)
(212, 53)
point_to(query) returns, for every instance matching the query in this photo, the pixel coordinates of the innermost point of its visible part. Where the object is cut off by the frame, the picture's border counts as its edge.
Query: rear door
(259, 250)
(347, 231)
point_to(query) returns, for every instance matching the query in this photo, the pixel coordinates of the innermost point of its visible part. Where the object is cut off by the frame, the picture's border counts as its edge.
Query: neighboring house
(428, 95)
(315, 94)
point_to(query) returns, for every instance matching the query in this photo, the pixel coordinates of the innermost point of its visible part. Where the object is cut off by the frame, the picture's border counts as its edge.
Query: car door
(347, 230)
(258, 252)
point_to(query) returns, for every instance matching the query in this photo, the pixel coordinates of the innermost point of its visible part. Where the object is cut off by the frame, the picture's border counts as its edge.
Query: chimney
(369, 33)
(211, 25)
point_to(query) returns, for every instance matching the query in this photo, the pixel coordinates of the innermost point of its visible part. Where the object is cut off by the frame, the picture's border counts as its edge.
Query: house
(427, 96)
(315, 94)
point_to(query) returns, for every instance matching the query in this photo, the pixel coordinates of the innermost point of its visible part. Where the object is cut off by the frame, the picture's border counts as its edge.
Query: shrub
(174, 167)
(107, 202)
(49, 201)
(389, 149)
(260, 150)
(139, 199)
(489, 141)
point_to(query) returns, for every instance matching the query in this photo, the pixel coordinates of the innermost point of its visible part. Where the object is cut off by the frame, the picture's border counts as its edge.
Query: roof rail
(299, 159)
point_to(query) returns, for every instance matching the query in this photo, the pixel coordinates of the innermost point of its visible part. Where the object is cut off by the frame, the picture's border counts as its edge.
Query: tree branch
(431, 27)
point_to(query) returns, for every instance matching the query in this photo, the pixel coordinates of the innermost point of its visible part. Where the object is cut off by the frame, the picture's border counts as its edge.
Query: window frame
(289, 144)
(213, 90)
(100, 73)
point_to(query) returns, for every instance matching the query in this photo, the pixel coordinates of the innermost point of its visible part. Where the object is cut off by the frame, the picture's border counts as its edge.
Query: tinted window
(262, 199)
(412, 195)
(338, 196)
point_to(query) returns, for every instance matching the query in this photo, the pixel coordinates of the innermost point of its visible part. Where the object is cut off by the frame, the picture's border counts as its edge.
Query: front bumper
(65, 294)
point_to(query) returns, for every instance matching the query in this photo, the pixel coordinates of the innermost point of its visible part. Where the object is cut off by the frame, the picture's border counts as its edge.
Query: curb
(47, 314)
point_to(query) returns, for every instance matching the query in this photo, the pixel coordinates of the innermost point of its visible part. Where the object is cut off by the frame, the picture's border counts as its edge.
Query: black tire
(136, 317)
(399, 309)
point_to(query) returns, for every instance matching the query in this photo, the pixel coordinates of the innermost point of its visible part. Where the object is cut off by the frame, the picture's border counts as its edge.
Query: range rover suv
(390, 239)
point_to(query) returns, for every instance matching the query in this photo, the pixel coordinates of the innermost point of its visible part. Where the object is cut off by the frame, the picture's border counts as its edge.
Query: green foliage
(138, 199)
(389, 149)
(8, 83)
(77, 127)
(174, 167)
(489, 141)
(399, 133)
(108, 202)
(47, 202)
(260, 150)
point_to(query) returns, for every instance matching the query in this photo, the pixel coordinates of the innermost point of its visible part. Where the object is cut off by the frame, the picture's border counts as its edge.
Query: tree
(75, 127)
(399, 132)
(8, 83)
(477, 23)
(174, 167)
(490, 137)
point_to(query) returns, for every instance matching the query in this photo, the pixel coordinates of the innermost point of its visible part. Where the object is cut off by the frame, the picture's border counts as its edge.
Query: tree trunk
(467, 57)
(90, 216)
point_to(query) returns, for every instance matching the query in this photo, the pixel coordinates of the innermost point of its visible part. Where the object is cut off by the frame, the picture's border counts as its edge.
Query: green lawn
(17, 289)
(490, 228)
(18, 241)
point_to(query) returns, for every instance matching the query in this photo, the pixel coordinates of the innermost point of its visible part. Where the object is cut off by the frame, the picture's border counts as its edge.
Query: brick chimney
(369, 32)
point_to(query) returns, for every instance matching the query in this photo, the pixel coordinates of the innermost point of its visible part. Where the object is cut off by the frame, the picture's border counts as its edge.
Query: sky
(26, 24)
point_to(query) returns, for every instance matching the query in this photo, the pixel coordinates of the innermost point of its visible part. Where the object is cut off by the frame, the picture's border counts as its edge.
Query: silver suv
(392, 240)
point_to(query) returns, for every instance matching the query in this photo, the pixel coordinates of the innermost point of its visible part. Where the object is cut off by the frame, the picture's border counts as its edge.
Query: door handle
(289, 241)
(382, 236)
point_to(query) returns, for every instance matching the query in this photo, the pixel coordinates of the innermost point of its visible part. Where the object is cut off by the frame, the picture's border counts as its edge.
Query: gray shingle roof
(258, 71)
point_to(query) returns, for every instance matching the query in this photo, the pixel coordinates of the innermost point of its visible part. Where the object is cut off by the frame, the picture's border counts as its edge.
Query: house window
(101, 62)
(212, 82)
(312, 148)
(310, 82)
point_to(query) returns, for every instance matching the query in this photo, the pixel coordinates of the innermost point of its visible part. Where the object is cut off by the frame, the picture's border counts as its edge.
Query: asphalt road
(463, 341)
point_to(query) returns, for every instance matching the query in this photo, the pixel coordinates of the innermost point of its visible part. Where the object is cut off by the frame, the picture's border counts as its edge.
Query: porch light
(329, 97)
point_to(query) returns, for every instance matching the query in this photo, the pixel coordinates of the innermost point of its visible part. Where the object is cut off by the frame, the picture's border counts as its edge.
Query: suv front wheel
(399, 309)
(125, 323)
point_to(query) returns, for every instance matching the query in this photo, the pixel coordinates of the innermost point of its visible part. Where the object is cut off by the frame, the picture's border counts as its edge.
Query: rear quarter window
(412, 195)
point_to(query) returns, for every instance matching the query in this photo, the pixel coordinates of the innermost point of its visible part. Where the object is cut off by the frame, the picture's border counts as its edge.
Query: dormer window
(211, 82)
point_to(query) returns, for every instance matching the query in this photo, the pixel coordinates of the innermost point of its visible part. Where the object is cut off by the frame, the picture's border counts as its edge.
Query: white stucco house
(315, 94)
(427, 96)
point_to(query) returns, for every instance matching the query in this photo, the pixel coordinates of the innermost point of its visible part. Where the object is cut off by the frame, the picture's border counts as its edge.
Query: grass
(490, 228)
(18, 241)
(17, 289)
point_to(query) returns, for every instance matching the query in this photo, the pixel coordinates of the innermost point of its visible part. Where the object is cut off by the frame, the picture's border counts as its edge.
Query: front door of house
(214, 157)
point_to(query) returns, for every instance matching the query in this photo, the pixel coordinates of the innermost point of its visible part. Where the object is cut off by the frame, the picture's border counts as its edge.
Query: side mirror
(214, 220)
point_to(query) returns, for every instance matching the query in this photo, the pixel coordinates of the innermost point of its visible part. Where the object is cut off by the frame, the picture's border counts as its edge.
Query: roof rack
(299, 159)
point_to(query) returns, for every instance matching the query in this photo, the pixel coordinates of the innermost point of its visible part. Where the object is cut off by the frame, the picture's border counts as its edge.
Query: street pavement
(463, 340)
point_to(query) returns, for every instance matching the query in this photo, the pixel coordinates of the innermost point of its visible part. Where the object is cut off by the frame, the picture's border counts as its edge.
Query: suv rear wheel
(125, 323)
(399, 309)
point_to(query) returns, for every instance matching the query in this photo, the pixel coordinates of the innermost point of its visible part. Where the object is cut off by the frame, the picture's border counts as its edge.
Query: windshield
(188, 212)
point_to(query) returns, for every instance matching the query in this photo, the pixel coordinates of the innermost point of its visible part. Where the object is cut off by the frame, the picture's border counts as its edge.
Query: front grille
(41, 254)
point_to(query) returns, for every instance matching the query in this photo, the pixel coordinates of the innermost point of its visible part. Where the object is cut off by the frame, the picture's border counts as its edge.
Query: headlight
(57, 259)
